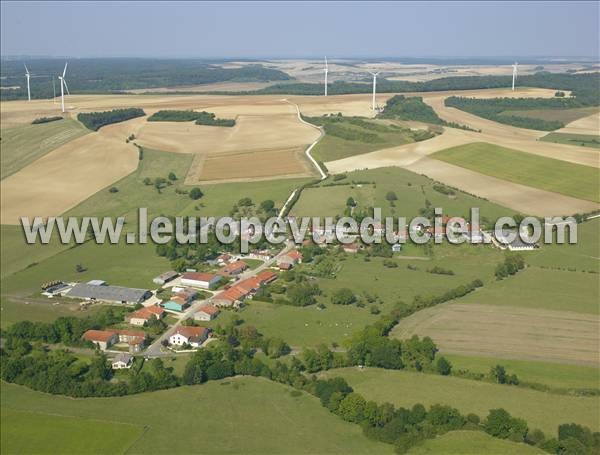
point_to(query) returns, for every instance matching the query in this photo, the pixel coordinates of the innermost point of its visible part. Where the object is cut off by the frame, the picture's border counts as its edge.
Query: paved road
(156, 349)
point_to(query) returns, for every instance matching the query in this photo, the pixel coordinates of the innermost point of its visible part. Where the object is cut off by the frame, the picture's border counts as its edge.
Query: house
(122, 360)
(285, 266)
(99, 290)
(206, 313)
(136, 339)
(164, 278)
(293, 257)
(200, 279)
(193, 336)
(104, 339)
(263, 255)
(176, 303)
(351, 247)
(266, 276)
(233, 268)
(225, 259)
(232, 297)
(144, 315)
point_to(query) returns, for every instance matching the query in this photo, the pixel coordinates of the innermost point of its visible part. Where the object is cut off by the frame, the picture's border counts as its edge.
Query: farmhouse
(193, 336)
(285, 266)
(144, 315)
(101, 338)
(122, 360)
(164, 278)
(110, 294)
(206, 313)
(176, 303)
(224, 259)
(200, 279)
(134, 338)
(233, 268)
(293, 257)
(266, 276)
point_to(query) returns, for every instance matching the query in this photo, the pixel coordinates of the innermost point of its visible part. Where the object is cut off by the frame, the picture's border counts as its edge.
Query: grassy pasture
(229, 416)
(22, 145)
(471, 443)
(543, 288)
(539, 172)
(584, 140)
(540, 409)
(555, 375)
(561, 115)
(45, 433)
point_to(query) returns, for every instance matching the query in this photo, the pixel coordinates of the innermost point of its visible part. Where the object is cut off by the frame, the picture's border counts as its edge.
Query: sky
(273, 29)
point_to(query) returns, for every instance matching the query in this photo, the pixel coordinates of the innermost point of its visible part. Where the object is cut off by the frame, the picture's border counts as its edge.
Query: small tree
(147, 181)
(196, 193)
(80, 268)
(172, 176)
(391, 196)
(443, 367)
(113, 189)
(498, 374)
(350, 202)
(343, 296)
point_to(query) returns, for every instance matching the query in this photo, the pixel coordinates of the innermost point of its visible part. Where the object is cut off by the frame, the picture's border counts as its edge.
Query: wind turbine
(374, 87)
(326, 71)
(27, 75)
(63, 87)
(514, 75)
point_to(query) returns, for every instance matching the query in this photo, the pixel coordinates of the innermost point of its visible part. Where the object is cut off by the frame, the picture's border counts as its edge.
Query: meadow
(584, 140)
(36, 310)
(229, 416)
(471, 443)
(554, 375)
(24, 144)
(539, 172)
(540, 409)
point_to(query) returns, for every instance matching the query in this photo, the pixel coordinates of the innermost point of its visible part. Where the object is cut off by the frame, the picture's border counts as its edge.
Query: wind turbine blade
(26, 70)
(66, 86)
(65, 70)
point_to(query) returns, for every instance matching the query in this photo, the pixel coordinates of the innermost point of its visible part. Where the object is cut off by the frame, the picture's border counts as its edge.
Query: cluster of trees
(498, 374)
(46, 120)
(443, 189)
(96, 120)
(294, 289)
(201, 118)
(110, 75)
(160, 182)
(421, 302)
(245, 207)
(437, 270)
(511, 265)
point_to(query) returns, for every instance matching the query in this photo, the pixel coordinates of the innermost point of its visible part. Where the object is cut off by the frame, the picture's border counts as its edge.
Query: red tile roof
(198, 276)
(266, 276)
(209, 309)
(146, 313)
(234, 267)
(191, 331)
(98, 335)
(295, 255)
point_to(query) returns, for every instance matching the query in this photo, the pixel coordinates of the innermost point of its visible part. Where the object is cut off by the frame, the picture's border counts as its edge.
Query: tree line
(96, 120)
(200, 118)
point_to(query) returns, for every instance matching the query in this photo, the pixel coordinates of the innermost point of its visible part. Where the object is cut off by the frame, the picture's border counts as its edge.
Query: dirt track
(504, 332)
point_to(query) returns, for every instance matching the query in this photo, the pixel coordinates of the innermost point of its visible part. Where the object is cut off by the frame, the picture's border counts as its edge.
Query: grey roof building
(105, 293)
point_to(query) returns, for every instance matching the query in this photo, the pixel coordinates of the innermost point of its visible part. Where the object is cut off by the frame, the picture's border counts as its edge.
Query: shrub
(196, 193)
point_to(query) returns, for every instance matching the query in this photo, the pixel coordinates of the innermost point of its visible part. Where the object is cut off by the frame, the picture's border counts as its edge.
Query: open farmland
(584, 125)
(227, 416)
(540, 409)
(471, 443)
(545, 173)
(507, 332)
(583, 140)
(24, 144)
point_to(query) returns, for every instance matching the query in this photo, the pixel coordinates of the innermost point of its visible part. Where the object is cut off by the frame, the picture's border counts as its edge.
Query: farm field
(471, 443)
(239, 408)
(370, 187)
(403, 388)
(90, 435)
(21, 145)
(544, 289)
(507, 332)
(584, 125)
(555, 375)
(545, 173)
(583, 140)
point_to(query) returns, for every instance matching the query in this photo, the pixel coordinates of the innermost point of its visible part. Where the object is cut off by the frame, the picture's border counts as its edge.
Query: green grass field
(583, 140)
(536, 171)
(217, 200)
(555, 375)
(562, 115)
(411, 189)
(543, 288)
(48, 433)
(540, 409)
(471, 443)
(238, 415)
(22, 145)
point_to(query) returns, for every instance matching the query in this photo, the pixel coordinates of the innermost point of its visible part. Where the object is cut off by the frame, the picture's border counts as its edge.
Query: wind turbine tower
(63, 87)
(514, 75)
(27, 75)
(374, 88)
(326, 71)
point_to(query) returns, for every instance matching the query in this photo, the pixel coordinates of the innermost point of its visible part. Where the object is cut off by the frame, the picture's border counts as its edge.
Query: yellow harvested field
(585, 125)
(507, 332)
(66, 176)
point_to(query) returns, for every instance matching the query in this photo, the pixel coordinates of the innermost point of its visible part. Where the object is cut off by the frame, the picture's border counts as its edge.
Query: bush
(343, 296)
(46, 120)
(196, 193)
(443, 366)
(113, 189)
